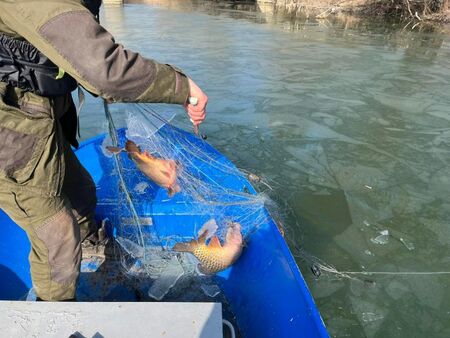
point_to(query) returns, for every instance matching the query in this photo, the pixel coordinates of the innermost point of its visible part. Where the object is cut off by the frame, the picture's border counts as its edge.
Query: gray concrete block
(110, 320)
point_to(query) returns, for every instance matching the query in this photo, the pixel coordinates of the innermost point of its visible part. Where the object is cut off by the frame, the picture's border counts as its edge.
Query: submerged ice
(168, 278)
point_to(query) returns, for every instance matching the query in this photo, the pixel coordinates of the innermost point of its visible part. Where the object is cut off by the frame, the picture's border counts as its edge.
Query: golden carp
(162, 172)
(213, 256)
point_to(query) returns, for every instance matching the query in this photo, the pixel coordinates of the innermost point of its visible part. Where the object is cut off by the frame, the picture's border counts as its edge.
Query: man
(46, 48)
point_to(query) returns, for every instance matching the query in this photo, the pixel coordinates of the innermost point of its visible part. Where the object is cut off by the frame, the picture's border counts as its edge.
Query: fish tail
(131, 147)
(173, 190)
(170, 192)
(202, 237)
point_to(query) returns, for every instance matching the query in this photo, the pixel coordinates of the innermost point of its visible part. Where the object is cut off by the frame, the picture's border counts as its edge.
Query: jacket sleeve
(68, 34)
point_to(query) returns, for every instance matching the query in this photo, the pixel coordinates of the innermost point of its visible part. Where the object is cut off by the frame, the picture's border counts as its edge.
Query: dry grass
(407, 10)
(403, 9)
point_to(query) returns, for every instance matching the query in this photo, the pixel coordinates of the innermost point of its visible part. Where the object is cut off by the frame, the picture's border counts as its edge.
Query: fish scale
(209, 261)
(214, 257)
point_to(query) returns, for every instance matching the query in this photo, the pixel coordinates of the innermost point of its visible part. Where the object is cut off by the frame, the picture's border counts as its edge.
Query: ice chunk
(133, 249)
(396, 290)
(409, 245)
(382, 239)
(166, 281)
(369, 253)
(325, 287)
(31, 295)
(371, 316)
(189, 263)
(106, 142)
(210, 227)
(141, 187)
(210, 290)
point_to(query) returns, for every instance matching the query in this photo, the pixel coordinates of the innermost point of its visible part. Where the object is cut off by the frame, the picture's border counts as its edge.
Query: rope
(230, 326)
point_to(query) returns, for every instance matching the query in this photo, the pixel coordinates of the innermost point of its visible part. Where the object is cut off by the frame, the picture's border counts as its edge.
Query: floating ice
(168, 278)
(382, 239)
(396, 289)
(369, 253)
(409, 245)
(371, 316)
(369, 313)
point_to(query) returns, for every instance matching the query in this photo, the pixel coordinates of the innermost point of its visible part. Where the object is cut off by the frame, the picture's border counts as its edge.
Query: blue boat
(264, 289)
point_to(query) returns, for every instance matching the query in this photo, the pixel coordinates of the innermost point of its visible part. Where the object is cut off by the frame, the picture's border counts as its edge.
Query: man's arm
(67, 33)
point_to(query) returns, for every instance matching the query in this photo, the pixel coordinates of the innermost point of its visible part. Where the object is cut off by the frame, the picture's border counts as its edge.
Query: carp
(214, 257)
(162, 172)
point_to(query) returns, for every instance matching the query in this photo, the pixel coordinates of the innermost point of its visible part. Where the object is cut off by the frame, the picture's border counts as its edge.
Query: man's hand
(196, 112)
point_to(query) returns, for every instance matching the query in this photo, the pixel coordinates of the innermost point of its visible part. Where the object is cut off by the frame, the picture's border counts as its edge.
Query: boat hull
(265, 289)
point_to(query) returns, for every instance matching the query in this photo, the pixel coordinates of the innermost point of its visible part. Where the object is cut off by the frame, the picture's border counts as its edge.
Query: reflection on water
(350, 122)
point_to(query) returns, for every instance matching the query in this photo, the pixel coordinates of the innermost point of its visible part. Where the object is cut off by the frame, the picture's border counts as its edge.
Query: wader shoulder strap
(25, 67)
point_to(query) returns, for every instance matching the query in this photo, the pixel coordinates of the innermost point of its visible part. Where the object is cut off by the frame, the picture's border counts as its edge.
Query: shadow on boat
(12, 287)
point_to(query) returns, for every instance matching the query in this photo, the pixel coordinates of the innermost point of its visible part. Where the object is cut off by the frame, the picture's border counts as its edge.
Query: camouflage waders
(43, 187)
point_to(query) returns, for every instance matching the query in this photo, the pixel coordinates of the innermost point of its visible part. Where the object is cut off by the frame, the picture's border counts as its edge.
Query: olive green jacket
(33, 128)
(68, 34)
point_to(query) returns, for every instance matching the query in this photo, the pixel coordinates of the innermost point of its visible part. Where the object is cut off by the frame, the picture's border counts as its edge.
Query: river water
(350, 124)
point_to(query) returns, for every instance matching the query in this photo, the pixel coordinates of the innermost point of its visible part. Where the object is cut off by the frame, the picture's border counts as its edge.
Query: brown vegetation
(411, 11)
(401, 9)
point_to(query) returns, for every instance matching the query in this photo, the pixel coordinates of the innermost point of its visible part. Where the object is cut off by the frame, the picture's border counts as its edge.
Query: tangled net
(148, 222)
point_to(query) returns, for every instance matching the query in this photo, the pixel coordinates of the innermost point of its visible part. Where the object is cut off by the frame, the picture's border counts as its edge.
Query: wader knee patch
(61, 236)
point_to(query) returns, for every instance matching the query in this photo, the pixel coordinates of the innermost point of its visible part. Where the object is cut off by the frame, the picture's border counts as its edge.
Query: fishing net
(148, 221)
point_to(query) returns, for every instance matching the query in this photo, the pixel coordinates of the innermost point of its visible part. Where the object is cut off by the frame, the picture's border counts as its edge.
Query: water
(349, 123)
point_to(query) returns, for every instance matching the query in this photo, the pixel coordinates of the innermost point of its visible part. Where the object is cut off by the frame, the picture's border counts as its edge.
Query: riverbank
(405, 10)
(411, 12)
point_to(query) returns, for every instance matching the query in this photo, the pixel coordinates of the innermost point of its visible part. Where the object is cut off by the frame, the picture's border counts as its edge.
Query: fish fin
(202, 236)
(131, 147)
(214, 242)
(183, 247)
(114, 150)
(173, 190)
(170, 191)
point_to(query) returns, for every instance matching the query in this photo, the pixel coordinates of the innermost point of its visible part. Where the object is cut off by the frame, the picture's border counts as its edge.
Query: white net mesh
(211, 195)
